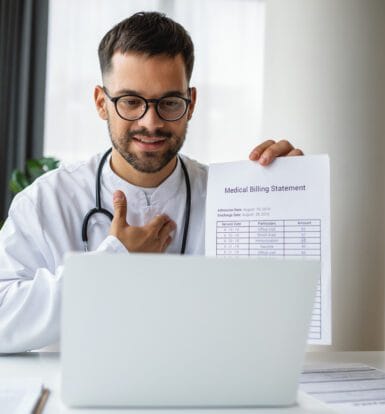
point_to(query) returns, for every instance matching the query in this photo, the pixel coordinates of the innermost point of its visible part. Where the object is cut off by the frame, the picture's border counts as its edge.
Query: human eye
(130, 102)
(171, 103)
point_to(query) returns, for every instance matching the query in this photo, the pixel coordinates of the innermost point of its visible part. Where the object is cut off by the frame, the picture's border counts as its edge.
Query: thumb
(120, 207)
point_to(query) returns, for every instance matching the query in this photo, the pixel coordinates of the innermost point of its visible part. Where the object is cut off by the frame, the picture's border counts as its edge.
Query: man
(146, 63)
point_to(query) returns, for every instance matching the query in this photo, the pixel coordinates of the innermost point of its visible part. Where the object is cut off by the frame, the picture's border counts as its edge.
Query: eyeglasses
(134, 107)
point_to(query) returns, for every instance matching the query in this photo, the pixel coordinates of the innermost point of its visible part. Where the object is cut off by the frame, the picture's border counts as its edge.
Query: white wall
(325, 91)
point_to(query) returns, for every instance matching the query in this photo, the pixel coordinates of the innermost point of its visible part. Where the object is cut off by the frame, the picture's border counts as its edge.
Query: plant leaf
(18, 181)
(49, 163)
(34, 169)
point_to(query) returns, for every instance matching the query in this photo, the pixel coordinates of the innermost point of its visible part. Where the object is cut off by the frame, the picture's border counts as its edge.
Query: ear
(192, 104)
(100, 102)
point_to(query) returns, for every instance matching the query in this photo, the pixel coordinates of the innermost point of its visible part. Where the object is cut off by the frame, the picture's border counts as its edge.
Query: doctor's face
(149, 143)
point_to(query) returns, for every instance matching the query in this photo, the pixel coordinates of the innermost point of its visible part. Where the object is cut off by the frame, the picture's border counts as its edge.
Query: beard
(148, 162)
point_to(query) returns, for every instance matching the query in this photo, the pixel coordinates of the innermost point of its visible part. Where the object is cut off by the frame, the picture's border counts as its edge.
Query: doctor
(147, 101)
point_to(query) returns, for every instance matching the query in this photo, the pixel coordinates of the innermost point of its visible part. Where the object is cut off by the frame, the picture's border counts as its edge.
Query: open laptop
(176, 331)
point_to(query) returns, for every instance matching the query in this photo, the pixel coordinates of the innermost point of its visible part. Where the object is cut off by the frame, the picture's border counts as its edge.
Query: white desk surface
(46, 365)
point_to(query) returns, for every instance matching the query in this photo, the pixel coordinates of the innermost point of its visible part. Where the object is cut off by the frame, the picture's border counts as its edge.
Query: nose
(151, 119)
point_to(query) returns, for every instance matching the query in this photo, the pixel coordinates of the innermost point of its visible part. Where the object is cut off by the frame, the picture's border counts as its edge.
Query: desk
(47, 366)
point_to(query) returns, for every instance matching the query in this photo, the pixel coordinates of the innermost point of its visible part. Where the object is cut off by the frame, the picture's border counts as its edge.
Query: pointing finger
(120, 207)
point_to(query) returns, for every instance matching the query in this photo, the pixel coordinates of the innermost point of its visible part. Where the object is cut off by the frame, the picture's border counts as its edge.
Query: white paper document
(348, 388)
(19, 396)
(282, 211)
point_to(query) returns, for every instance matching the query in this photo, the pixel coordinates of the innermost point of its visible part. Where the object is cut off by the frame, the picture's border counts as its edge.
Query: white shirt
(45, 222)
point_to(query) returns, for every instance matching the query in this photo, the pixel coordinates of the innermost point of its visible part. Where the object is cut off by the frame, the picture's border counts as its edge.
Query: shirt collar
(166, 190)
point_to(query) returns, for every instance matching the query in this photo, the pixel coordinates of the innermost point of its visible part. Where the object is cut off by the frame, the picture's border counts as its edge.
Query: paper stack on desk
(22, 396)
(348, 388)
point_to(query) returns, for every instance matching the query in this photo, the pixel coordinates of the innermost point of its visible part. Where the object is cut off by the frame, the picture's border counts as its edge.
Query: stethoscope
(99, 209)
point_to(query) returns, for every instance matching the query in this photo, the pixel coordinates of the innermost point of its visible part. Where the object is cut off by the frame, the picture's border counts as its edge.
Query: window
(229, 46)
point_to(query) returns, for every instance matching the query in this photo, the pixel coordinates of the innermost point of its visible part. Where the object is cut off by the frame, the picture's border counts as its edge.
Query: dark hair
(150, 33)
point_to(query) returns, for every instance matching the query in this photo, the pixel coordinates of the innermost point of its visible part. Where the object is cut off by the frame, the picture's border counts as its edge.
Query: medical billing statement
(278, 211)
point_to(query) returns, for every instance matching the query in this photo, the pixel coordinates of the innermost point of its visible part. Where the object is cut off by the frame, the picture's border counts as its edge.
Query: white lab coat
(45, 222)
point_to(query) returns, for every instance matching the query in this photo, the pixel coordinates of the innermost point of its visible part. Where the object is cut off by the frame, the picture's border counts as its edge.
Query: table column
(266, 238)
(232, 238)
(303, 238)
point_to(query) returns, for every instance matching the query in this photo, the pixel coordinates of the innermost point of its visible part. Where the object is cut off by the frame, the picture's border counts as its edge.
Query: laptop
(143, 330)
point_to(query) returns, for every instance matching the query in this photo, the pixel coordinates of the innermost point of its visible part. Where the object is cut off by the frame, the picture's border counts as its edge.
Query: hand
(269, 150)
(152, 237)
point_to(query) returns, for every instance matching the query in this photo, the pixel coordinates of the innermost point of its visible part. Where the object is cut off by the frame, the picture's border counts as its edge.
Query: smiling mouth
(149, 144)
(149, 140)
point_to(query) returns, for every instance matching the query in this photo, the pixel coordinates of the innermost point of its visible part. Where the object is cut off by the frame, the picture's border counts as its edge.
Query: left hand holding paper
(269, 150)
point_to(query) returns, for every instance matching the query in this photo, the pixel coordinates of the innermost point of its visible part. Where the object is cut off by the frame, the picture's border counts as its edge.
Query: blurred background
(228, 66)
(310, 71)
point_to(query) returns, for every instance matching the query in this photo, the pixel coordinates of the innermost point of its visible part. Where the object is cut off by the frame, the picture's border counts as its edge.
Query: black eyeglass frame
(155, 101)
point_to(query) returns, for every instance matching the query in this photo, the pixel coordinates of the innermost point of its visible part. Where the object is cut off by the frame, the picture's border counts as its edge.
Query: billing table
(46, 365)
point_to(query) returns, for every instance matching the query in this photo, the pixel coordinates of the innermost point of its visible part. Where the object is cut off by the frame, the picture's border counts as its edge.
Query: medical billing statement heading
(278, 211)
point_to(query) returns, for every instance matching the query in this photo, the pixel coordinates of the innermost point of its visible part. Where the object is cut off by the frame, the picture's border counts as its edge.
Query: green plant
(34, 168)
